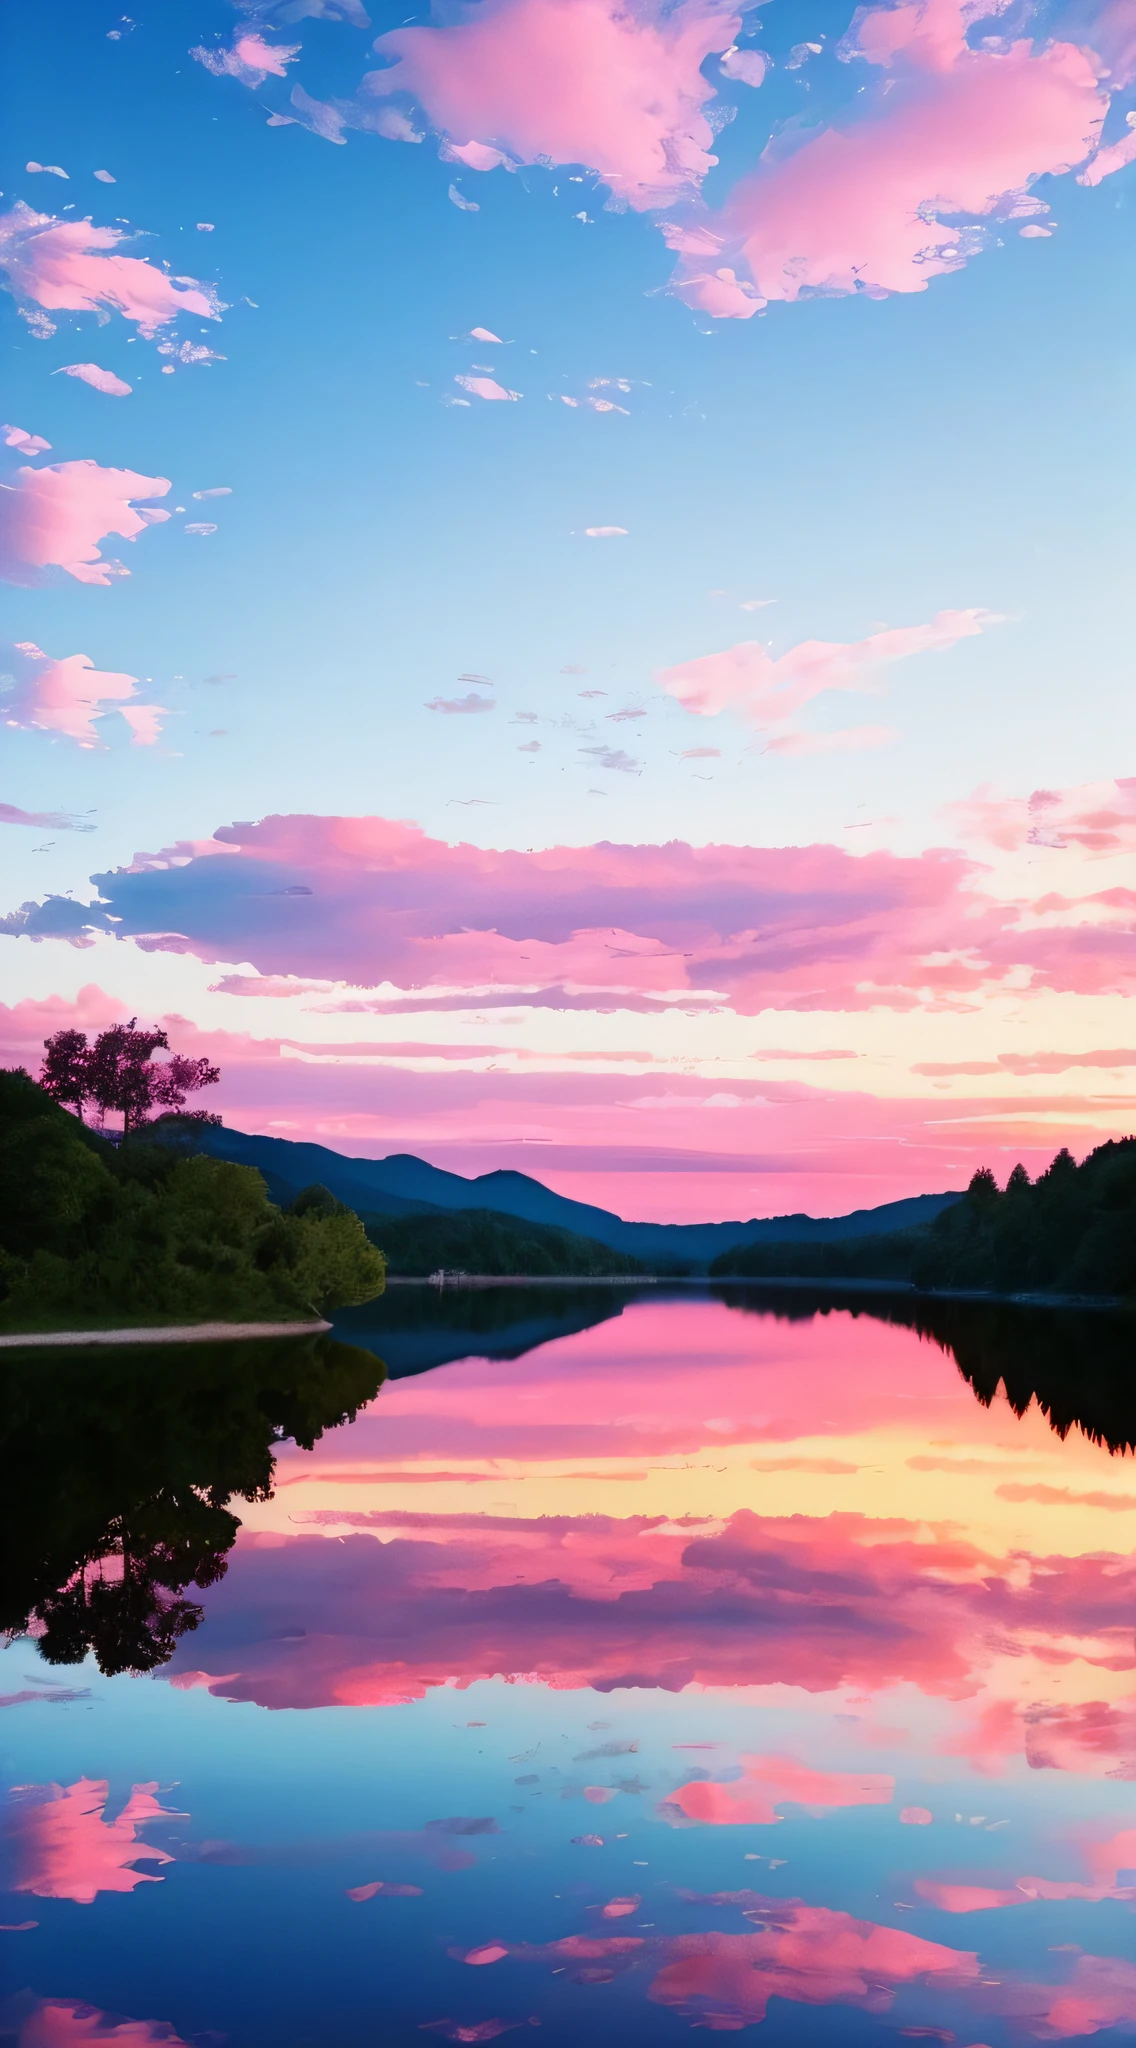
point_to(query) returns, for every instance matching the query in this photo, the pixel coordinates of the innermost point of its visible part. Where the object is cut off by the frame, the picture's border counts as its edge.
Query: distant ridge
(402, 1185)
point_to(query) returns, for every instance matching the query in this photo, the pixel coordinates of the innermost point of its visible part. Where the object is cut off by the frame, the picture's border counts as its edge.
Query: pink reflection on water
(772, 1781)
(68, 2023)
(64, 1849)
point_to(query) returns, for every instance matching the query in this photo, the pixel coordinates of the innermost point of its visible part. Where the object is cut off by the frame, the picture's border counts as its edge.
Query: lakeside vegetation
(485, 1241)
(151, 1227)
(93, 1234)
(1071, 1232)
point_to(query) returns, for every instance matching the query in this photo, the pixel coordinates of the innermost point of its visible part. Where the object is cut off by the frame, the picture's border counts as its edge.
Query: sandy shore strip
(168, 1333)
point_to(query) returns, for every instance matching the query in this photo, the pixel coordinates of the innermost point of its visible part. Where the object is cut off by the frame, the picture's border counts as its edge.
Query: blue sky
(858, 462)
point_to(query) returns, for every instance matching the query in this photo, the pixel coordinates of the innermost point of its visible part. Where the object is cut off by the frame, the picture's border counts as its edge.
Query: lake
(634, 1661)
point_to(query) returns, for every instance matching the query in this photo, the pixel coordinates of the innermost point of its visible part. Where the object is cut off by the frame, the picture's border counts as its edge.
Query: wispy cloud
(55, 518)
(467, 704)
(249, 59)
(767, 691)
(75, 267)
(53, 821)
(61, 696)
(99, 380)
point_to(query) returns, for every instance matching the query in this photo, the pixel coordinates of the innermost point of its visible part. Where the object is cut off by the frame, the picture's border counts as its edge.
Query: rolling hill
(402, 1185)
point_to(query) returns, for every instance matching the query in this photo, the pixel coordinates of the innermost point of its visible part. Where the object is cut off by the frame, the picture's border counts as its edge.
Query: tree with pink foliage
(117, 1072)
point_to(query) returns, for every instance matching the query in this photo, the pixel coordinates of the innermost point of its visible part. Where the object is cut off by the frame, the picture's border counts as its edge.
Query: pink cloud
(810, 1956)
(63, 2023)
(69, 266)
(362, 1892)
(485, 387)
(1095, 1738)
(819, 1600)
(470, 703)
(786, 1147)
(949, 133)
(368, 900)
(1114, 37)
(477, 157)
(950, 1897)
(772, 1781)
(145, 722)
(768, 691)
(99, 380)
(477, 2030)
(1064, 1496)
(28, 444)
(571, 81)
(55, 517)
(63, 696)
(965, 1898)
(1031, 1062)
(749, 66)
(850, 739)
(1109, 1858)
(250, 60)
(64, 1849)
(25, 1025)
(1098, 818)
(1099, 1993)
(478, 1596)
(57, 821)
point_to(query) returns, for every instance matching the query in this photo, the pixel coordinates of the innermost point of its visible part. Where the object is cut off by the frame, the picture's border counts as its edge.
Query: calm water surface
(629, 1664)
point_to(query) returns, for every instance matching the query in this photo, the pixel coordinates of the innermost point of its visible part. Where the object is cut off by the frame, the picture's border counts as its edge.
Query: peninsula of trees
(94, 1234)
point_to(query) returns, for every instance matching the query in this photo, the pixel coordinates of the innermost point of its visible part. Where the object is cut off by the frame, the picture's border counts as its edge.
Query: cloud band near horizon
(372, 901)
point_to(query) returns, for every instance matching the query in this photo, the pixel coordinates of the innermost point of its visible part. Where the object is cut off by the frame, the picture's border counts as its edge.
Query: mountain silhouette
(403, 1185)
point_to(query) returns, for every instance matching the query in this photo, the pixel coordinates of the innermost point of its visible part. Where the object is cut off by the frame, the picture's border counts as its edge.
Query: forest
(1070, 1232)
(486, 1241)
(95, 1233)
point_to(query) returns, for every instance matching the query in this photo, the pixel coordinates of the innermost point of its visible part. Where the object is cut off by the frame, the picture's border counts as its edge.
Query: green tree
(332, 1261)
(65, 1073)
(147, 1231)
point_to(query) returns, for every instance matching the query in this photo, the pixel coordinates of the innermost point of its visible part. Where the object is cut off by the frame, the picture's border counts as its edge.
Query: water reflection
(416, 1328)
(117, 1467)
(1079, 1367)
(725, 1661)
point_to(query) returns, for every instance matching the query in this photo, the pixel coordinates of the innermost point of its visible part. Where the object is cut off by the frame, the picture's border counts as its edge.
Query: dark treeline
(1072, 1231)
(150, 1231)
(486, 1241)
(128, 1457)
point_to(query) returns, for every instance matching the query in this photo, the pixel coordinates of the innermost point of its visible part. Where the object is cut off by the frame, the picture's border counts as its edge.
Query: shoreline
(469, 1282)
(161, 1333)
(1103, 1303)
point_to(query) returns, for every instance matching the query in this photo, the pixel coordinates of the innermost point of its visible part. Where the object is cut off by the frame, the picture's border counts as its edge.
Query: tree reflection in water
(1078, 1365)
(117, 1467)
(116, 1470)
